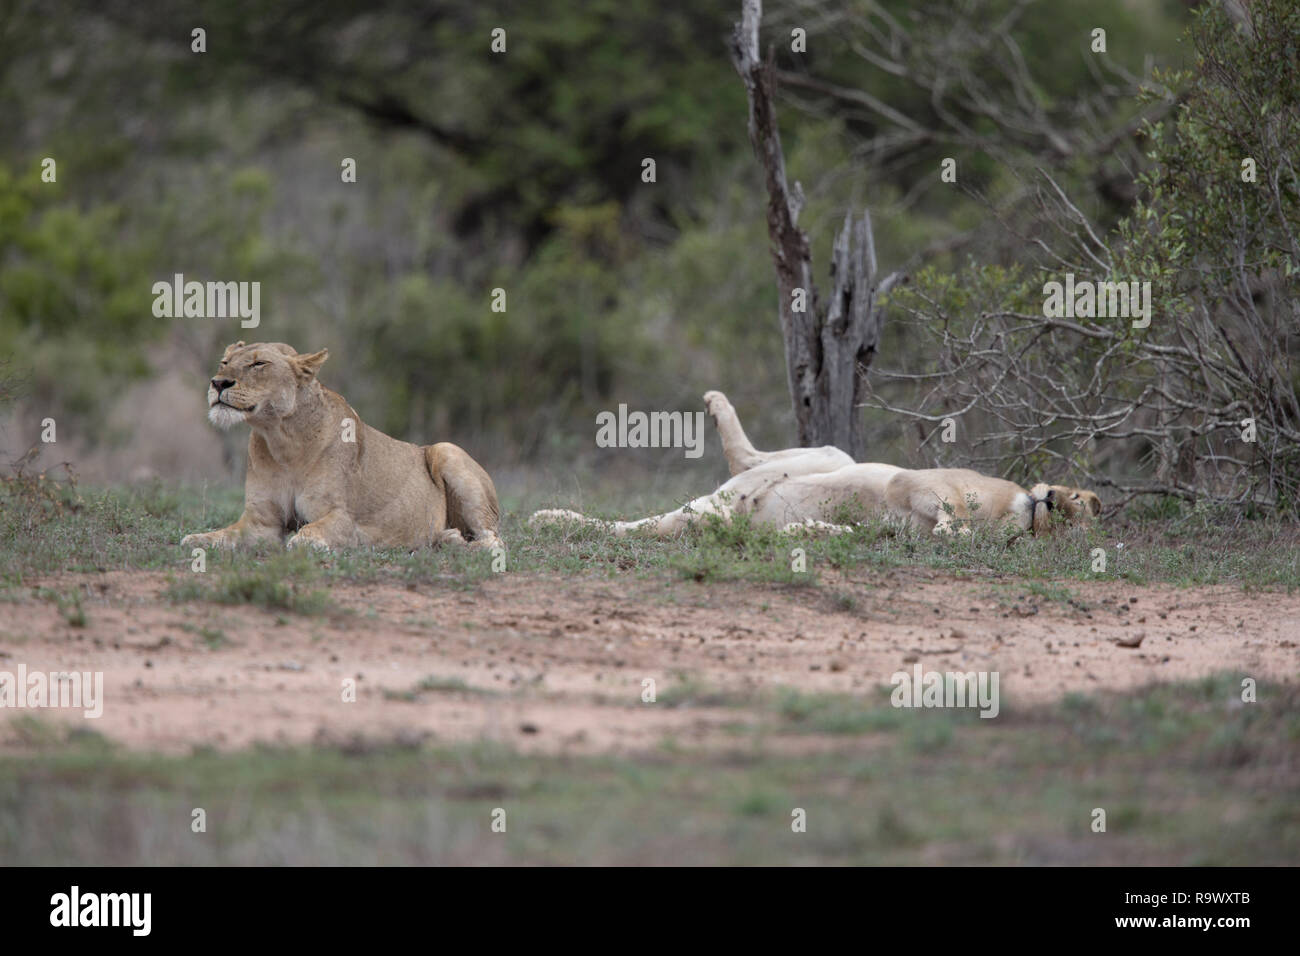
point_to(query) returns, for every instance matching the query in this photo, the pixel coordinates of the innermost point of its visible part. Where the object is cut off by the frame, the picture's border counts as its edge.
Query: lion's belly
(842, 494)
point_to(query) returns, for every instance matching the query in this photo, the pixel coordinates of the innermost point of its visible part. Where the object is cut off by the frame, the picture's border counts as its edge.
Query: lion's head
(1076, 504)
(259, 383)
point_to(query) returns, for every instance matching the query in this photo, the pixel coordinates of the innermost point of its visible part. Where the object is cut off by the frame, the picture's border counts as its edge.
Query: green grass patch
(280, 581)
(140, 527)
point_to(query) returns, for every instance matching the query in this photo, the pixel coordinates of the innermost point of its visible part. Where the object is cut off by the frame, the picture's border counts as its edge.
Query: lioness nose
(220, 384)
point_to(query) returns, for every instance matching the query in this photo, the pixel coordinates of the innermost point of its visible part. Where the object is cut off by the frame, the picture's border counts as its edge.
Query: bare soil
(557, 664)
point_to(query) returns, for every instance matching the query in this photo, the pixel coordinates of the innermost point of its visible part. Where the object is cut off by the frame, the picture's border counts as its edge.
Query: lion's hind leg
(742, 456)
(472, 507)
(740, 453)
(674, 523)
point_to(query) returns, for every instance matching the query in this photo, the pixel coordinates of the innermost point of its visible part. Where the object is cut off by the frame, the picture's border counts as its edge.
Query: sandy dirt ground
(558, 664)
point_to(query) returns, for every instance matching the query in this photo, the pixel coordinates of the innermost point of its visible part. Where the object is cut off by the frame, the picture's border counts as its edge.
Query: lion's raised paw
(715, 403)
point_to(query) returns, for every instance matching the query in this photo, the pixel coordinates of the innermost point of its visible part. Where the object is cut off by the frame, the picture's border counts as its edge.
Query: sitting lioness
(806, 488)
(320, 474)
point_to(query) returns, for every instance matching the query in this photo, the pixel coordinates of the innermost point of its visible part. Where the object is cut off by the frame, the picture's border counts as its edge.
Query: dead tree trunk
(828, 345)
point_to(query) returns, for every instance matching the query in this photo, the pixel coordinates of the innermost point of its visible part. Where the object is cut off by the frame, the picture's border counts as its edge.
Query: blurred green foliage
(73, 297)
(476, 171)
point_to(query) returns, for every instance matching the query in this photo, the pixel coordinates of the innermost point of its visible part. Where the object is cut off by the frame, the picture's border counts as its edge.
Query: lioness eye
(257, 365)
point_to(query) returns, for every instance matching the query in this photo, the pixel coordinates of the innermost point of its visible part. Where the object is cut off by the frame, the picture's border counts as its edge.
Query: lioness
(316, 471)
(805, 488)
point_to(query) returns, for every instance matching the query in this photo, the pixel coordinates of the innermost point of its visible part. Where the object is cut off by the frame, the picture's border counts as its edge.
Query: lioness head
(259, 383)
(1078, 506)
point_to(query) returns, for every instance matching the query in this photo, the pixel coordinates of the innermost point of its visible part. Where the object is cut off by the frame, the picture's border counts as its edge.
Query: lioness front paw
(952, 527)
(305, 539)
(209, 539)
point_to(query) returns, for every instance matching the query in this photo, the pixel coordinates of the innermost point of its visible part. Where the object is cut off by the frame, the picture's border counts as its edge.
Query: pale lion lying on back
(320, 476)
(810, 487)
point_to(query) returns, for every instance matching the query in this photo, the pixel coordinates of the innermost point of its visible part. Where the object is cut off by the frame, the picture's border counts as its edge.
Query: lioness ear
(306, 366)
(231, 348)
(1094, 505)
